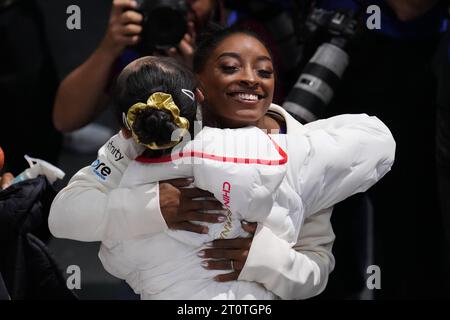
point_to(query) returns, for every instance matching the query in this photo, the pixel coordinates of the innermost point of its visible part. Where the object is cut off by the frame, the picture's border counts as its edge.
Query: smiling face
(237, 81)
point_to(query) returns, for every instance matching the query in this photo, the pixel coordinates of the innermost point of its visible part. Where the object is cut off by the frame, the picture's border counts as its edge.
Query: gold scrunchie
(159, 101)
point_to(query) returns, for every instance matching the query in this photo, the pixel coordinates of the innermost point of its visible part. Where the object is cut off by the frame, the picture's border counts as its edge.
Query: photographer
(84, 92)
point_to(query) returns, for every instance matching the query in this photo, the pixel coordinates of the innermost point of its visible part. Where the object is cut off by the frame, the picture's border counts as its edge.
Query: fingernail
(205, 264)
(221, 218)
(244, 222)
(190, 179)
(201, 254)
(209, 244)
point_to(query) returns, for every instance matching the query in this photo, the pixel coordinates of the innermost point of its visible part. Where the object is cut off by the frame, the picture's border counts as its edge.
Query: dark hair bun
(153, 125)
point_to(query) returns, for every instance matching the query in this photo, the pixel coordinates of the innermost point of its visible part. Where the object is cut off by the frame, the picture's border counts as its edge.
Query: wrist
(108, 51)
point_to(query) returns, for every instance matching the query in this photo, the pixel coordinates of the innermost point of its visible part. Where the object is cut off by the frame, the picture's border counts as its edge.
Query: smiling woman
(237, 80)
(286, 252)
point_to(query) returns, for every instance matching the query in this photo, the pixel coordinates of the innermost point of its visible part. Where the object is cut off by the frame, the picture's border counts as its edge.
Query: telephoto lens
(315, 87)
(320, 78)
(164, 24)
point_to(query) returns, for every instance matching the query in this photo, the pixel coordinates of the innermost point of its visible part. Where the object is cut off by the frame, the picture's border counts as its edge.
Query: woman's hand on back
(179, 208)
(229, 254)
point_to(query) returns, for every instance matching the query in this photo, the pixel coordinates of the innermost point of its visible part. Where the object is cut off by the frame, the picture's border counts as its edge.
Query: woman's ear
(126, 133)
(199, 96)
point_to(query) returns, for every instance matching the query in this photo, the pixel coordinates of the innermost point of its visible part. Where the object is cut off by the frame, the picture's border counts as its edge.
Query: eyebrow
(238, 56)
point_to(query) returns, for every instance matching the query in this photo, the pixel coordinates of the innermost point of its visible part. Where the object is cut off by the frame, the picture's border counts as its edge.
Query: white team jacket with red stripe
(328, 160)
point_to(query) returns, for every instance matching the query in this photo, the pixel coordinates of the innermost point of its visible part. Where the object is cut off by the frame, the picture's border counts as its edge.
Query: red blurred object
(2, 158)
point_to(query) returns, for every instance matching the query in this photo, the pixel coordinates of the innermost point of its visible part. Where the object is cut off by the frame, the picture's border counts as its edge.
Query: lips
(246, 97)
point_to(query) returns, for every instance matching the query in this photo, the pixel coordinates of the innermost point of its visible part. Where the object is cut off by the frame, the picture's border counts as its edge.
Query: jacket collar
(292, 125)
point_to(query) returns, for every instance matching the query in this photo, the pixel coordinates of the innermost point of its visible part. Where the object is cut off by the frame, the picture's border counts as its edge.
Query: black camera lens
(320, 78)
(166, 27)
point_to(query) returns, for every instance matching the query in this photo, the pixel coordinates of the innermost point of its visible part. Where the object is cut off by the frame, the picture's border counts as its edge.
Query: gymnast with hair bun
(264, 168)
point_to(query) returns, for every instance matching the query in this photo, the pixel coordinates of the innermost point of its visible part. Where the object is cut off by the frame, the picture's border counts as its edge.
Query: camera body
(339, 25)
(164, 24)
(315, 87)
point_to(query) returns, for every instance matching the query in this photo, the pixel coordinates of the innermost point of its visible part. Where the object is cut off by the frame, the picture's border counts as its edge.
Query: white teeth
(247, 96)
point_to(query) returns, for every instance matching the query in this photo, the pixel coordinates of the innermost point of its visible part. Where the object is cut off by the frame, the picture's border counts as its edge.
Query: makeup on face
(238, 80)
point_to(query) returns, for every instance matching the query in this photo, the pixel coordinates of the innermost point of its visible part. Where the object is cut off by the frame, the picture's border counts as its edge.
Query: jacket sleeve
(92, 207)
(347, 154)
(300, 272)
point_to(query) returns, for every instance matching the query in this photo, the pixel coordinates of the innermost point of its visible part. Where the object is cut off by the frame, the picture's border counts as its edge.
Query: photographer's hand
(82, 95)
(184, 53)
(124, 27)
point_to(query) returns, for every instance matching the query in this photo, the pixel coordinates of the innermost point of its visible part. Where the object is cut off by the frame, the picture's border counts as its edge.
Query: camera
(315, 87)
(164, 24)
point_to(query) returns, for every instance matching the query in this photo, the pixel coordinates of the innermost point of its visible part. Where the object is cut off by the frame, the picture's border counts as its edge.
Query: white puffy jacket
(246, 170)
(328, 161)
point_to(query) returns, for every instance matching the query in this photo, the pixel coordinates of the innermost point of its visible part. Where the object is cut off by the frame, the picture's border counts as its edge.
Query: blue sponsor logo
(101, 169)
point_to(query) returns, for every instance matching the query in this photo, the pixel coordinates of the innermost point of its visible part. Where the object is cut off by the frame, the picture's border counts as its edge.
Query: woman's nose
(248, 78)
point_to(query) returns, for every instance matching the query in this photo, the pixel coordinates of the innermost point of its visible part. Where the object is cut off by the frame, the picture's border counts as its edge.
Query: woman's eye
(229, 69)
(265, 73)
